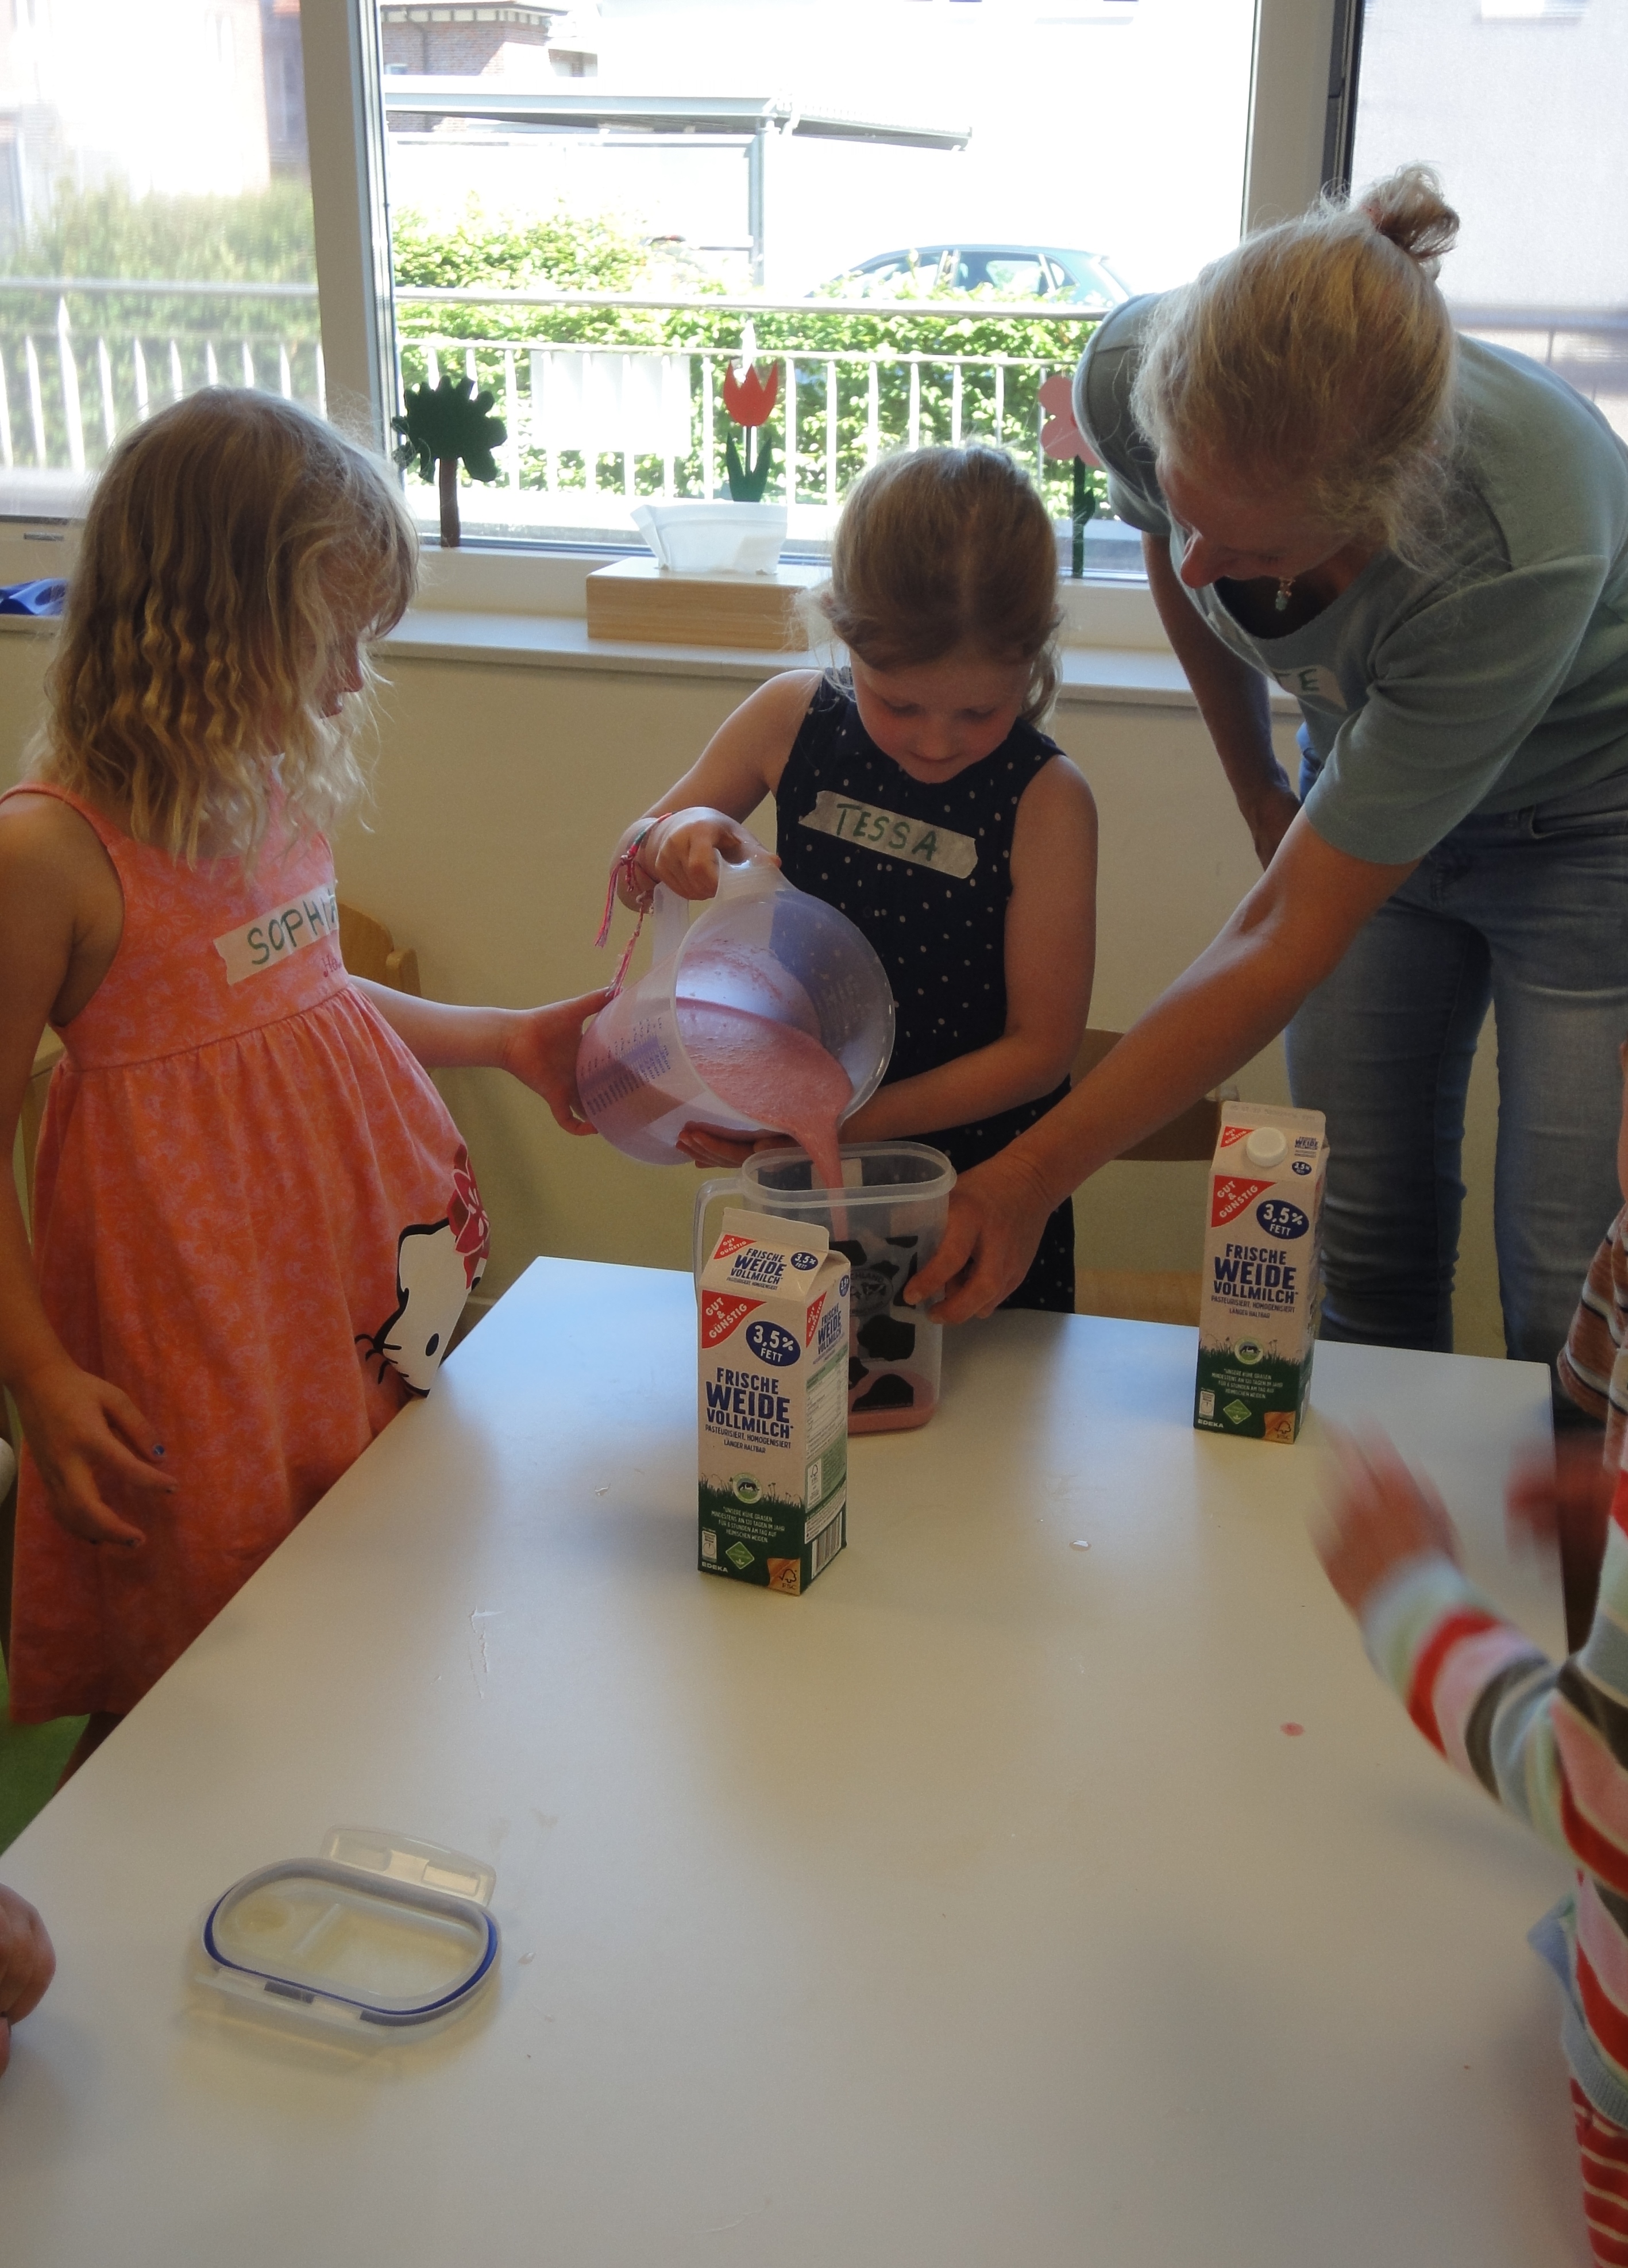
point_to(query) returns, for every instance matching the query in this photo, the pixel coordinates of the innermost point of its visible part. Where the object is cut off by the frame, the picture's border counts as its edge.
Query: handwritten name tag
(892, 834)
(271, 937)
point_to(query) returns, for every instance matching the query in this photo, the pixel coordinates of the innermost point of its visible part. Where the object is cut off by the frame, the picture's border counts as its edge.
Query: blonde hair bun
(1409, 211)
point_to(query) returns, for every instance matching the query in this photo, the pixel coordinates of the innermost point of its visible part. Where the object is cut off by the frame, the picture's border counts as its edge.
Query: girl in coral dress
(254, 1222)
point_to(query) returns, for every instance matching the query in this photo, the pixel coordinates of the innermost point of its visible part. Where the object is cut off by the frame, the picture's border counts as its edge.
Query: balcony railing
(634, 408)
(72, 379)
(606, 396)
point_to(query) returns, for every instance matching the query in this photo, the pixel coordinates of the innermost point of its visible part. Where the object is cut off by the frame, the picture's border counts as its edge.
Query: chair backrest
(1190, 1135)
(368, 949)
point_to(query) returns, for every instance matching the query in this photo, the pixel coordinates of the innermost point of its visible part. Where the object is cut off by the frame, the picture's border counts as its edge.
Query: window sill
(1090, 674)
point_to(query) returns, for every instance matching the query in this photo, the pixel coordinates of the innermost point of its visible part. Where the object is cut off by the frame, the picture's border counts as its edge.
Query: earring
(1285, 586)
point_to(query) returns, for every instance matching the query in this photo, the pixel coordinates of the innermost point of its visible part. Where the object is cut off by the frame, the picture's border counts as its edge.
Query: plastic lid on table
(380, 1930)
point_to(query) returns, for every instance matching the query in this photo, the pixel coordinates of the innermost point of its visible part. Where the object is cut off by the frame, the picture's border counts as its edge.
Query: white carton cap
(1266, 1146)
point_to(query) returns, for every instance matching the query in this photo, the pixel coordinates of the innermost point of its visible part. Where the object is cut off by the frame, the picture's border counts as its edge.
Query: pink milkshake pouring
(769, 1011)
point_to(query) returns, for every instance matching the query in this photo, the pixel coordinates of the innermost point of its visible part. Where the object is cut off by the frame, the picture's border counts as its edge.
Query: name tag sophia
(892, 834)
(273, 937)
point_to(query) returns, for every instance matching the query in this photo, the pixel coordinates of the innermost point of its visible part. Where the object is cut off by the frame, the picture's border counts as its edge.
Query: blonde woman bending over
(255, 1226)
(1424, 541)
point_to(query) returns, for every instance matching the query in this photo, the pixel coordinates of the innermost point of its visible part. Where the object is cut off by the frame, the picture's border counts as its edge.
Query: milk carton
(1257, 1322)
(773, 1405)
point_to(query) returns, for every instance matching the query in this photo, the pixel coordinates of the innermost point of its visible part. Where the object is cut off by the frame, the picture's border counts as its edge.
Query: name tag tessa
(271, 937)
(892, 834)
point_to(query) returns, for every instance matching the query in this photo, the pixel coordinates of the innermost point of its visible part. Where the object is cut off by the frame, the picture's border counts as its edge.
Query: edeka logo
(1230, 1196)
(720, 1315)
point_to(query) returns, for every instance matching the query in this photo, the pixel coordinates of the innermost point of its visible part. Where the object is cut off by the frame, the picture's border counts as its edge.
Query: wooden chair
(1154, 1295)
(368, 949)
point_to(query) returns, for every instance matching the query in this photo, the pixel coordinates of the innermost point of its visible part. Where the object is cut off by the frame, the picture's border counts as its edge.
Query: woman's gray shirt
(1495, 680)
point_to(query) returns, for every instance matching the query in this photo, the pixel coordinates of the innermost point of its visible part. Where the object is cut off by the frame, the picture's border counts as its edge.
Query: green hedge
(565, 252)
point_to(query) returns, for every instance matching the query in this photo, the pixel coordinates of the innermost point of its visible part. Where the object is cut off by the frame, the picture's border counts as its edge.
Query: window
(155, 224)
(157, 230)
(915, 210)
(1542, 260)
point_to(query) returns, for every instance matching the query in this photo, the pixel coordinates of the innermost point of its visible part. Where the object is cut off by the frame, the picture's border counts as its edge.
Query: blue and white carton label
(1262, 1295)
(774, 1408)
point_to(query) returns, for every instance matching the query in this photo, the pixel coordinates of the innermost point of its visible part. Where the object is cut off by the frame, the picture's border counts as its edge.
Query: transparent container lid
(380, 1930)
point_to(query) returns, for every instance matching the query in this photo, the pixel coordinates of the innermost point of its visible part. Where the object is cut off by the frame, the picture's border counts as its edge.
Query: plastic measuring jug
(760, 952)
(888, 1217)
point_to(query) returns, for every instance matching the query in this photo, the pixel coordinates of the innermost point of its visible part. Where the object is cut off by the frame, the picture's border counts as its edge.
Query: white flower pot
(692, 536)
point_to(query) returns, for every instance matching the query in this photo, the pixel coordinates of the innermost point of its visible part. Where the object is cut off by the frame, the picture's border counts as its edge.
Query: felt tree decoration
(443, 424)
(749, 401)
(1062, 437)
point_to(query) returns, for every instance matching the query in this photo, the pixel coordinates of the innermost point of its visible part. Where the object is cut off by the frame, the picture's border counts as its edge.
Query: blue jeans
(1527, 910)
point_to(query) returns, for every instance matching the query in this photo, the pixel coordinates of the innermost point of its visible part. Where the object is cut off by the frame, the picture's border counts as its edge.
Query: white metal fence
(585, 419)
(81, 358)
(70, 384)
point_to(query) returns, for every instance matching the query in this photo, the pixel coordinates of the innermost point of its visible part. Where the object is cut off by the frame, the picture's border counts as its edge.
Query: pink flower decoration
(472, 1232)
(1062, 437)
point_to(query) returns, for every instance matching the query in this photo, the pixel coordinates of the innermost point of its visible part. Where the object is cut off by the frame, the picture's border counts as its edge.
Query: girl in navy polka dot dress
(918, 796)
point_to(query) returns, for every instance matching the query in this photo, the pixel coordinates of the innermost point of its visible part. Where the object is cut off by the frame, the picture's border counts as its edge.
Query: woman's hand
(84, 1433)
(540, 1048)
(683, 852)
(997, 1214)
(28, 1965)
(1380, 1515)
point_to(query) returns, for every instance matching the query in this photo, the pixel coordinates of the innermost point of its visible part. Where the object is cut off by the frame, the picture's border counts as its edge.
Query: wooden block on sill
(646, 604)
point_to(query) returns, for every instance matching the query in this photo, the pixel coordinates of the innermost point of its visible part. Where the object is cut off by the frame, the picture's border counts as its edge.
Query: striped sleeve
(1593, 1362)
(1550, 1743)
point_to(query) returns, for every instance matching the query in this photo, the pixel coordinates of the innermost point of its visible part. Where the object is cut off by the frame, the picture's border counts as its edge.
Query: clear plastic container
(759, 948)
(380, 1934)
(888, 1217)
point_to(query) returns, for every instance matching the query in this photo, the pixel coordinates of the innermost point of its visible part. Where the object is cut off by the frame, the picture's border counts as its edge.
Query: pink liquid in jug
(774, 1074)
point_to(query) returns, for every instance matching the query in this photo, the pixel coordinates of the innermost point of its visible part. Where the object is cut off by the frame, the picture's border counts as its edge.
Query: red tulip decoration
(750, 401)
(1062, 437)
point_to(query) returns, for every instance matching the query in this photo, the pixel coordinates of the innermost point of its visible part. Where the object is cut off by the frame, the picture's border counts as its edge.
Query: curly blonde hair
(237, 555)
(944, 548)
(1319, 357)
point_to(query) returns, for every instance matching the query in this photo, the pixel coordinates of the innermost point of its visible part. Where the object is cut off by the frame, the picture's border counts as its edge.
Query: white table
(973, 1910)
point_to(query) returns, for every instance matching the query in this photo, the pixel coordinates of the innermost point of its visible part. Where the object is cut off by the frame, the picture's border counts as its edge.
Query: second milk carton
(1257, 1322)
(773, 1406)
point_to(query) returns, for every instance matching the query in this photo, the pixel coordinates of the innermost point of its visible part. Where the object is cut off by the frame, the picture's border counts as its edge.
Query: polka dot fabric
(941, 937)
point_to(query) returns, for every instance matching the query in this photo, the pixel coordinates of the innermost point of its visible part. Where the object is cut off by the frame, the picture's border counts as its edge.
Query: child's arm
(84, 1433)
(1051, 946)
(699, 814)
(28, 1965)
(1546, 1742)
(539, 1045)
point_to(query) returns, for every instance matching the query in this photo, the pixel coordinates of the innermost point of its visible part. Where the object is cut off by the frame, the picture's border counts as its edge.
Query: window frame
(1297, 136)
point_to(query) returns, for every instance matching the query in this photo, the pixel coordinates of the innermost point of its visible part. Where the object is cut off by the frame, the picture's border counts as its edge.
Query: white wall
(500, 791)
